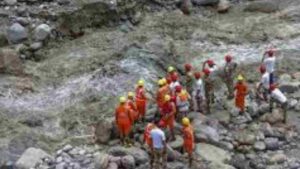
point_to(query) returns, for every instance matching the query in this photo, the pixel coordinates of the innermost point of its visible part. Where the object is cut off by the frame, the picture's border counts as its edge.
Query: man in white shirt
(158, 147)
(269, 62)
(264, 82)
(198, 92)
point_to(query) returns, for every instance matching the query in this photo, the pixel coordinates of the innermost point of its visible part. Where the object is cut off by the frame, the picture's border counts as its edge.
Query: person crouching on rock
(188, 137)
(123, 121)
(279, 98)
(241, 92)
(158, 147)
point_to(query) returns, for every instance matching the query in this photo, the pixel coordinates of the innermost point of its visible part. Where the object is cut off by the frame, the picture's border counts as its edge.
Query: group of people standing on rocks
(195, 91)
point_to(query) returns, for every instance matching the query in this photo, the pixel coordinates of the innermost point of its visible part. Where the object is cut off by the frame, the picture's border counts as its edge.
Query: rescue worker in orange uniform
(188, 137)
(123, 120)
(141, 99)
(189, 81)
(132, 107)
(171, 72)
(182, 104)
(162, 91)
(229, 71)
(241, 92)
(168, 115)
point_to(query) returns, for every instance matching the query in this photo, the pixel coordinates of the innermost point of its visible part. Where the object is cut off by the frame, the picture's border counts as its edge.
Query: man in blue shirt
(158, 147)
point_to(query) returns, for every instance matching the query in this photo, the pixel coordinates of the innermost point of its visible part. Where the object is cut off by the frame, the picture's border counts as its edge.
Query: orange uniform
(141, 101)
(123, 119)
(147, 136)
(161, 95)
(241, 92)
(132, 110)
(168, 112)
(188, 136)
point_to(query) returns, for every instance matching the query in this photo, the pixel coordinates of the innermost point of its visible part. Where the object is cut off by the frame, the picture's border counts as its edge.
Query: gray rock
(260, 146)
(112, 166)
(289, 87)
(205, 133)
(212, 153)
(278, 158)
(245, 138)
(176, 165)
(16, 33)
(36, 46)
(10, 2)
(103, 130)
(30, 158)
(265, 6)
(292, 103)
(226, 145)
(23, 21)
(238, 161)
(205, 2)
(223, 6)
(67, 148)
(272, 143)
(139, 155)
(61, 166)
(177, 144)
(128, 162)
(42, 32)
(101, 161)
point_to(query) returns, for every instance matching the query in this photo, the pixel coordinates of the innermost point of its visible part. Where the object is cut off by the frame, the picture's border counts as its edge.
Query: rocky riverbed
(64, 63)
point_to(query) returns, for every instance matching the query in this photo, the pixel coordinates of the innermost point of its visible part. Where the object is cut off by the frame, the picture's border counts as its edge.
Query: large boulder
(139, 155)
(291, 87)
(212, 153)
(30, 158)
(223, 6)
(42, 32)
(245, 138)
(101, 161)
(10, 62)
(177, 143)
(272, 143)
(103, 131)
(205, 132)
(128, 162)
(205, 2)
(266, 6)
(275, 117)
(16, 33)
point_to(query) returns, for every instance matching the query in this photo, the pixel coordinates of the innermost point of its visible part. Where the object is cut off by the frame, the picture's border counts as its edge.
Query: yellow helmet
(164, 80)
(167, 98)
(161, 82)
(185, 121)
(130, 94)
(122, 99)
(240, 78)
(141, 83)
(171, 69)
